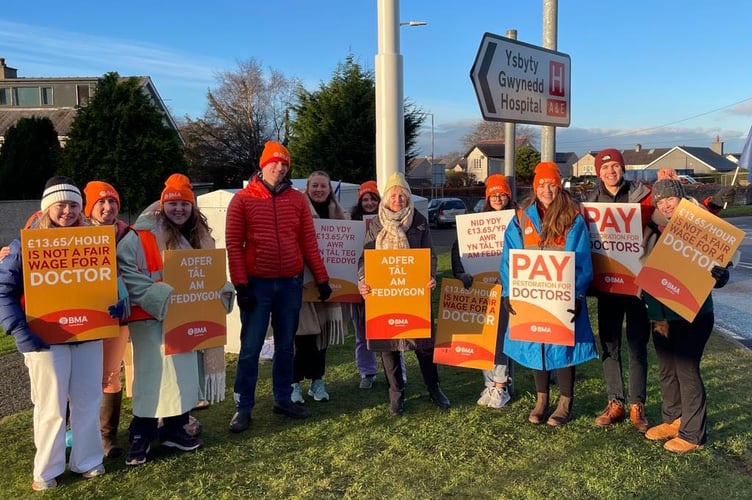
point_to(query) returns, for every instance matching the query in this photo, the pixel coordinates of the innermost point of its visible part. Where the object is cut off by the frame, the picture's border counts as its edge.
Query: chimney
(638, 147)
(6, 72)
(717, 146)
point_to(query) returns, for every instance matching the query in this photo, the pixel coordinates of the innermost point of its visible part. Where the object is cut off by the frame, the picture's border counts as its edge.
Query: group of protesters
(270, 238)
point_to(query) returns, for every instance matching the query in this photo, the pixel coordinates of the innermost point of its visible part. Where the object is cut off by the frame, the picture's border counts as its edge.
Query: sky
(655, 73)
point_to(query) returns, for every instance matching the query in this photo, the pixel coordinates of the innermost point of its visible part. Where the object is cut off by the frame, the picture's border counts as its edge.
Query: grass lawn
(352, 448)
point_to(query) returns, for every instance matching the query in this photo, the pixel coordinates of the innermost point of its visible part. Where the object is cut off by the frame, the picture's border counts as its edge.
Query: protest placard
(467, 325)
(541, 290)
(480, 239)
(196, 318)
(399, 305)
(616, 244)
(677, 271)
(340, 245)
(70, 280)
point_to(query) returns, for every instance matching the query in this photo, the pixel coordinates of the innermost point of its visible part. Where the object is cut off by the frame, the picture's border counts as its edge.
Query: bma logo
(397, 322)
(73, 320)
(198, 330)
(614, 279)
(464, 350)
(528, 230)
(540, 329)
(671, 287)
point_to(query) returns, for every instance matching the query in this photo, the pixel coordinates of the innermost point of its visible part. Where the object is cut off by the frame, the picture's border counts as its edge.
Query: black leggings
(564, 378)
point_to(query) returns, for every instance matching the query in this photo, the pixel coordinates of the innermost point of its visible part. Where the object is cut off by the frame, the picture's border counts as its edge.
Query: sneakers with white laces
(485, 397)
(499, 397)
(181, 440)
(318, 391)
(297, 394)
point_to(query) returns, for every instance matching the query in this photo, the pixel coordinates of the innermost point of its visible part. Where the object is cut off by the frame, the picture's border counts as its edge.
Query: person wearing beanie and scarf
(613, 308)
(269, 237)
(399, 225)
(59, 373)
(551, 220)
(497, 381)
(102, 209)
(164, 387)
(321, 324)
(678, 343)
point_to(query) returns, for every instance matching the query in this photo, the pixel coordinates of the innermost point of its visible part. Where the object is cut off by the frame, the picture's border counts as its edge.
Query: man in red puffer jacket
(269, 237)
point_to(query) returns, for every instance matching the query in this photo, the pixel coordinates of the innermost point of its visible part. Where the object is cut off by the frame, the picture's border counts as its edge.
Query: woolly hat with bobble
(178, 188)
(497, 184)
(98, 190)
(667, 188)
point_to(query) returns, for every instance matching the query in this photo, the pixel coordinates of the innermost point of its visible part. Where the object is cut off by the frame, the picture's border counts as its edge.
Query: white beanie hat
(60, 188)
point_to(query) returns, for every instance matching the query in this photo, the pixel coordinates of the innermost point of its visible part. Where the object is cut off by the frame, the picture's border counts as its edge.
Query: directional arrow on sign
(518, 82)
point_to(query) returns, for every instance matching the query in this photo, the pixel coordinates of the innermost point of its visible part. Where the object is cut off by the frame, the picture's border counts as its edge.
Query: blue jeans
(281, 299)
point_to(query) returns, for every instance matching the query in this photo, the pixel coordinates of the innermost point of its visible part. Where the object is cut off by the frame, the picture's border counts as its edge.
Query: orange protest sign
(340, 245)
(541, 289)
(399, 305)
(616, 243)
(467, 325)
(70, 279)
(196, 318)
(677, 271)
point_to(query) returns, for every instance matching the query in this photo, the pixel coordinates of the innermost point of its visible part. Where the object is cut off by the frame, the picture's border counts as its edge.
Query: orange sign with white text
(677, 271)
(196, 318)
(616, 243)
(399, 305)
(467, 325)
(70, 279)
(541, 289)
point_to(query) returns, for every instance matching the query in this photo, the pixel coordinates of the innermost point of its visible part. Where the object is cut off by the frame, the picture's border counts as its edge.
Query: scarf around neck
(394, 227)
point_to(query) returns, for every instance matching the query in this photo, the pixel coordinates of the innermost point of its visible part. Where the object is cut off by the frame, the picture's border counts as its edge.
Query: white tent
(214, 207)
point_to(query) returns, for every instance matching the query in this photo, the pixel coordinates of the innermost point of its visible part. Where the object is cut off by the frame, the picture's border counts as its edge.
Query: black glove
(577, 309)
(723, 196)
(325, 291)
(466, 279)
(245, 298)
(720, 275)
(507, 305)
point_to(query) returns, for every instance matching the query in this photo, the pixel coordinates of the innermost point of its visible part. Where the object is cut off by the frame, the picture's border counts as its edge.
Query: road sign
(522, 83)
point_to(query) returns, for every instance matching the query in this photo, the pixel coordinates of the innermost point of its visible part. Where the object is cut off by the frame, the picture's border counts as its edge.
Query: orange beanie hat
(274, 151)
(98, 190)
(497, 184)
(546, 173)
(178, 188)
(368, 187)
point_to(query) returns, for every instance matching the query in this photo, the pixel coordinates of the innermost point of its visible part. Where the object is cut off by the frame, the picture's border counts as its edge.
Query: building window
(47, 96)
(4, 97)
(83, 94)
(26, 96)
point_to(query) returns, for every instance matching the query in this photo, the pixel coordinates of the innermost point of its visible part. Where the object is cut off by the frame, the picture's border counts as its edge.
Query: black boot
(439, 398)
(109, 419)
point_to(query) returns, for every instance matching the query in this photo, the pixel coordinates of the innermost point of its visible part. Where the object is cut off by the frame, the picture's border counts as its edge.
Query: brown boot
(637, 416)
(109, 419)
(664, 431)
(613, 413)
(538, 415)
(560, 416)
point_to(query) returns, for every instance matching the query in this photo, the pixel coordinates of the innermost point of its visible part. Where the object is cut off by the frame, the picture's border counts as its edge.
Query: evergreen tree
(334, 128)
(527, 159)
(30, 156)
(122, 138)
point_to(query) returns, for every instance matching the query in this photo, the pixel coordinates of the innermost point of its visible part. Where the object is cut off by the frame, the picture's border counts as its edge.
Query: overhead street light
(413, 23)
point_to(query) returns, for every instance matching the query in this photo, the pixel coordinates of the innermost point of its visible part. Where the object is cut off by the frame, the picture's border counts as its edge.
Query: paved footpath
(14, 385)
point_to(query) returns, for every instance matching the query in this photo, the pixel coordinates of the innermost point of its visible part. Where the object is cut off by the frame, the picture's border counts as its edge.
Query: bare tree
(488, 130)
(248, 107)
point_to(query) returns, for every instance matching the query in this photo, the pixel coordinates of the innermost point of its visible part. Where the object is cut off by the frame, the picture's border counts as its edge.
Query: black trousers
(147, 427)
(393, 371)
(682, 389)
(612, 310)
(309, 361)
(564, 379)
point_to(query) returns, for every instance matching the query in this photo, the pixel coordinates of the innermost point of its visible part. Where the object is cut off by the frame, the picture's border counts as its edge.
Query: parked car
(479, 206)
(442, 211)
(688, 179)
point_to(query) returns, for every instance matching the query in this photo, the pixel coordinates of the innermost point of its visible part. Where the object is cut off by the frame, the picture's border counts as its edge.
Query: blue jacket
(548, 356)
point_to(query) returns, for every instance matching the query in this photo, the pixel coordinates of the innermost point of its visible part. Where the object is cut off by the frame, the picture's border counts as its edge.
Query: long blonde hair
(45, 222)
(196, 230)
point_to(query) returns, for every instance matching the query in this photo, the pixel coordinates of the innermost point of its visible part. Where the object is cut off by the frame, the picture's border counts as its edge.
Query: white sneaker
(367, 381)
(297, 394)
(318, 391)
(485, 397)
(499, 397)
(95, 472)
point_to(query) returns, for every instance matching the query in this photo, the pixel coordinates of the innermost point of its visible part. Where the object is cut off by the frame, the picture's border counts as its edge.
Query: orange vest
(531, 238)
(153, 264)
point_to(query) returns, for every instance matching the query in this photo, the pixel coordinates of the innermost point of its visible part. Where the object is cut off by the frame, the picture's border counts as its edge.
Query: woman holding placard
(497, 381)
(321, 323)
(399, 225)
(164, 386)
(678, 343)
(58, 373)
(551, 220)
